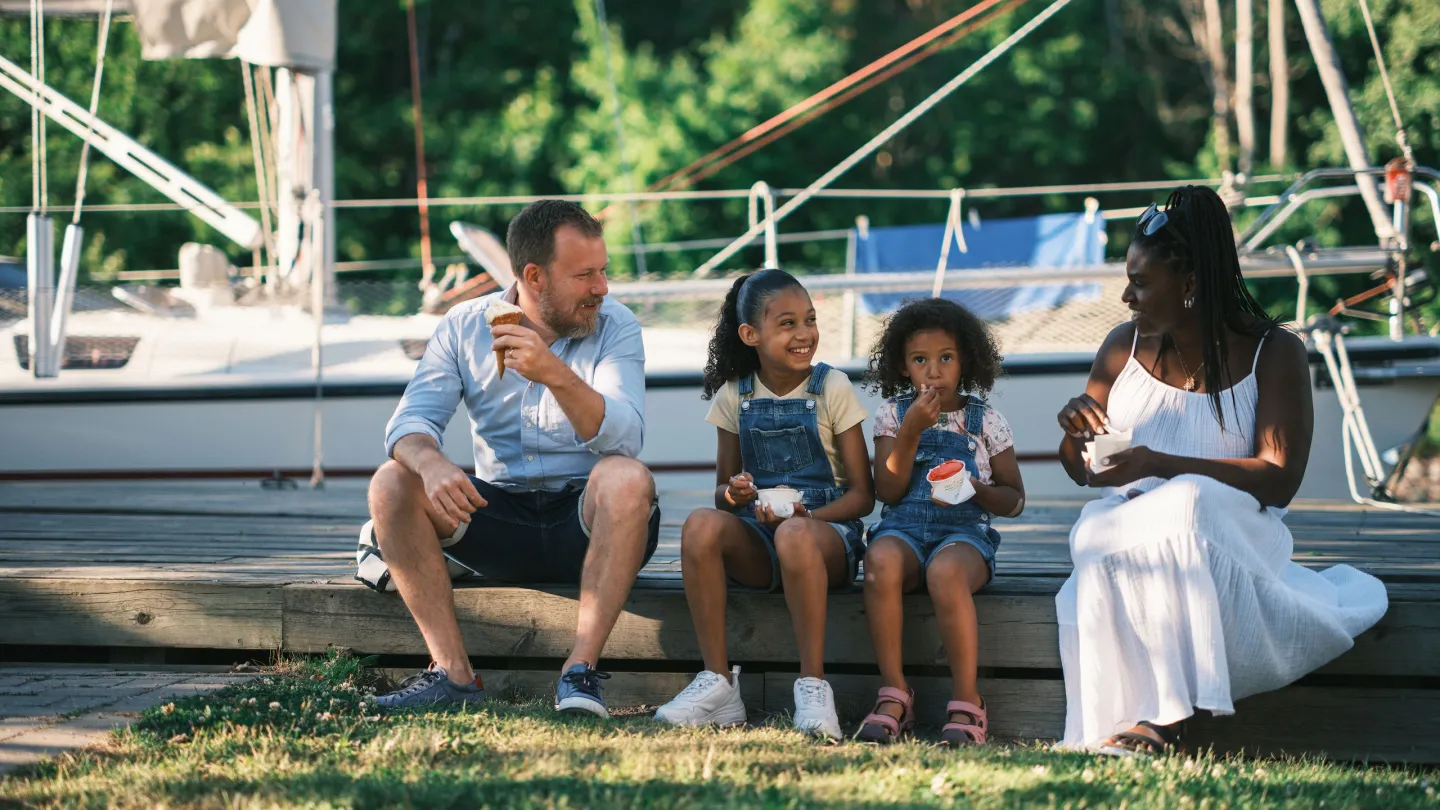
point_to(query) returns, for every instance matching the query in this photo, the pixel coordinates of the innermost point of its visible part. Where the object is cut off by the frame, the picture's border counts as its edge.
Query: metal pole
(1337, 90)
(315, 213)
(40, 278)
(847, 322)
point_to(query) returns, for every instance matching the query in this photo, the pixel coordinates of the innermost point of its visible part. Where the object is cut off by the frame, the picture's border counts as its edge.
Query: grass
(306, 736)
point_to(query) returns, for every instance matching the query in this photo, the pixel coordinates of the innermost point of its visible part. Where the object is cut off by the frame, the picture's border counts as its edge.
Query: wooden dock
(229, 565)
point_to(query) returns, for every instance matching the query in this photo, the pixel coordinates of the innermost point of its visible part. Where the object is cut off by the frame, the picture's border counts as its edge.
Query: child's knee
(955, 569)
(700, 536)
(798, 539)
(885, 563)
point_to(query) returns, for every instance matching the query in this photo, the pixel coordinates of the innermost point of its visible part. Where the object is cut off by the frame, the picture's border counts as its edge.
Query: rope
(420, 186)
(40, 77)
(104, 36)
(893, 70)
(683, 176)
(636, 236)
(37, 203)
(885, 135)
(1400, 137)
(258, 156)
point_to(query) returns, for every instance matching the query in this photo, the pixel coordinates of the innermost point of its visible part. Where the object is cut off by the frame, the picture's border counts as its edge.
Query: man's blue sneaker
(579, 691)
(432, 688)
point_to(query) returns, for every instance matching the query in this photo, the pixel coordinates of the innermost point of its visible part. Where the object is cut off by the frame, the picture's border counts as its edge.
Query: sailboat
(280, 382)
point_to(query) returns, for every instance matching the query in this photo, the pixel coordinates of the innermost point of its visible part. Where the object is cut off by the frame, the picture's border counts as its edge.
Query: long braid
(1221, 296)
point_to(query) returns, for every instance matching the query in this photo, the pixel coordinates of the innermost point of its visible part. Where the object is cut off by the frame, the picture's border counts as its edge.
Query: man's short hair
(531, 235)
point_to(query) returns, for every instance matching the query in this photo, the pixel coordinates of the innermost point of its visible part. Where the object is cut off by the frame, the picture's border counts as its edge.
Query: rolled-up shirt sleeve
(434, 392)
(620, 379)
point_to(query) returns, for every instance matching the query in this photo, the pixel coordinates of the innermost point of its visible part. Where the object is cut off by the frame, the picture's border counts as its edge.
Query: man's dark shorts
(531, 537)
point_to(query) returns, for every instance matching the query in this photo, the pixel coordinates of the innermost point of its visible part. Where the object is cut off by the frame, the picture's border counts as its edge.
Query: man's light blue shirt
(522, 438)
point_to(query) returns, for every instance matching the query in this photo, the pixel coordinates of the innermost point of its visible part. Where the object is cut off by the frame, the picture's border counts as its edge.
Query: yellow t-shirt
(839, 410)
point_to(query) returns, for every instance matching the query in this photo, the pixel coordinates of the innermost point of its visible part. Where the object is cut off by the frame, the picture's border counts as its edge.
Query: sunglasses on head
(1154, 219)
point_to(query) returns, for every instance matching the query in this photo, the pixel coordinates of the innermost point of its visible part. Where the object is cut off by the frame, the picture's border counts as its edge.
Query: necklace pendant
(1189, 383)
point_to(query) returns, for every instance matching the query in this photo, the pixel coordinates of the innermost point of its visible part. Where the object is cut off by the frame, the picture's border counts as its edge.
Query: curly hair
(730, 359)
(979, 356)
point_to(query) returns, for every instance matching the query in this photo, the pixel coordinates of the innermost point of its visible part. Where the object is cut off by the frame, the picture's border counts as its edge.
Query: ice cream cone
(502, 312)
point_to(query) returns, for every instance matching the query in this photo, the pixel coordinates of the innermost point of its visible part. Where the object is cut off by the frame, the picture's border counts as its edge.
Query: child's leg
(891, 570)
(812, 560)
(714, 544)
(955, 573)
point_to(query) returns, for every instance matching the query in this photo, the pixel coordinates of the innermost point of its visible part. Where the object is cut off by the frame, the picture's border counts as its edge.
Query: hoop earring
(1190, 303)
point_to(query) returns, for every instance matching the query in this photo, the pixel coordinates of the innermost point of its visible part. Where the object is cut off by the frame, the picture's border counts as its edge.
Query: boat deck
(230, 565)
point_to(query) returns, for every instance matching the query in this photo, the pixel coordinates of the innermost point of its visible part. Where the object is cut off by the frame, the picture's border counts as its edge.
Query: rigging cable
(83, 173)
(1400, 136)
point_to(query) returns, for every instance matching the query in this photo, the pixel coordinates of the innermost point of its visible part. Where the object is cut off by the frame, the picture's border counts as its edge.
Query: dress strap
(817, 380)
(1255, 365)
(1134, 341)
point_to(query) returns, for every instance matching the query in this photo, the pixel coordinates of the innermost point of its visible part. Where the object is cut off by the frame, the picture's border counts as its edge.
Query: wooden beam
(1017, 627)
(139, 614)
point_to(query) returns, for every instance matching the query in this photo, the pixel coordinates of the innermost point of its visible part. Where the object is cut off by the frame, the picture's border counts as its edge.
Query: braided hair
(1205, 246)
(730, 359)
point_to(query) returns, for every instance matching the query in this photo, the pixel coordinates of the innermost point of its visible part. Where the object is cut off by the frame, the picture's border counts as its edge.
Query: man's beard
(572, 323)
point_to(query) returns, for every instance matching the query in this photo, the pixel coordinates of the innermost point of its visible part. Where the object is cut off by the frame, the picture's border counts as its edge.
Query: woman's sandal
(974, 732)
(1134, 744)
(882, 729)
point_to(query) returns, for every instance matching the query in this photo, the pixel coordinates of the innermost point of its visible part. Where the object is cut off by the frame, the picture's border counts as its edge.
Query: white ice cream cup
(781, 500)
(954, 488)
(1106, 445)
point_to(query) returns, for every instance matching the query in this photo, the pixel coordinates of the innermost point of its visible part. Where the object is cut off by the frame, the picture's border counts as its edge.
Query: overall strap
(817, 380)
(975, 416)
(747, 385)
(902, 404)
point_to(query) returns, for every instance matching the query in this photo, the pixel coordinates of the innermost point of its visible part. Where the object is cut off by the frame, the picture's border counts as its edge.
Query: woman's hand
(924, 412)
(741, 490)
(1083, 417)
(765, 517)
(1124, 467)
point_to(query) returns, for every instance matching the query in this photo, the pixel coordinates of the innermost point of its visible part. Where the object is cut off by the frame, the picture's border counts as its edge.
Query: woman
(1183, 595)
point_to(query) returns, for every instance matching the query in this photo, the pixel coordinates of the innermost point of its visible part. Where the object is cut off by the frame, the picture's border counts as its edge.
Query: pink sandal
(955, 734)
(881, 728)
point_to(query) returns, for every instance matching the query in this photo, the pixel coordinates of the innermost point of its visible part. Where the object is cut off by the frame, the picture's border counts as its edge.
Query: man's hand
(924, 412)
(527, 353)
(450, 495)
(741, 490)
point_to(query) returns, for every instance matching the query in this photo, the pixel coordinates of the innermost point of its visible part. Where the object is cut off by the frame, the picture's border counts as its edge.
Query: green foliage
(517, 101)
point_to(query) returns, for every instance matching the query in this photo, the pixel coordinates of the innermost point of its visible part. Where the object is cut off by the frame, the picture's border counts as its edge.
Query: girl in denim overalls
(782, 420)
(930, 353)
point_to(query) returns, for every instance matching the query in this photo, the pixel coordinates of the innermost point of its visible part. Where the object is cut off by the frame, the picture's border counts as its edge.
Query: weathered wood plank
(1016, 629)
(139, 614)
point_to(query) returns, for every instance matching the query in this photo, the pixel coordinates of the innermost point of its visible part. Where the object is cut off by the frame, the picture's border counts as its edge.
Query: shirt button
(527, 423)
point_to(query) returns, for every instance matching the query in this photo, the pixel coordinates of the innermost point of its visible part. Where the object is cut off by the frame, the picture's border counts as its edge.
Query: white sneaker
(815, 708)
(708, 699)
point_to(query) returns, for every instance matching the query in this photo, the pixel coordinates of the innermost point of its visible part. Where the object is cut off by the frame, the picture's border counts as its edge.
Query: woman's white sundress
(1185, 596)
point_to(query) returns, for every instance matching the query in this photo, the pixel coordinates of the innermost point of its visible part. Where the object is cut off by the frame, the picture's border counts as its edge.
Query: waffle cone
(511, 319)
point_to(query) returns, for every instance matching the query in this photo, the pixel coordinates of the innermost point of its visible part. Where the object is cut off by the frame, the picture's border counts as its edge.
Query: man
(557, 494)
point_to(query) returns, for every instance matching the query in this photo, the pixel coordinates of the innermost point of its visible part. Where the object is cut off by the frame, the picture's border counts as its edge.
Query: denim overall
(780, 446)
(927, 526)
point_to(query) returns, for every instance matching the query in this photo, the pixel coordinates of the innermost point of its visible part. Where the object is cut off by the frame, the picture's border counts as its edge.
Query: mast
(1337, 90)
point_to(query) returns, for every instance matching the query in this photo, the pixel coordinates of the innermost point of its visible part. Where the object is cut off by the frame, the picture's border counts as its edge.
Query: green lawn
(300, 738)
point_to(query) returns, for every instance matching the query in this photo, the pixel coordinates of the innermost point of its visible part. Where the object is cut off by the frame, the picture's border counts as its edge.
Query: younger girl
(781, 420)
(930, 353)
